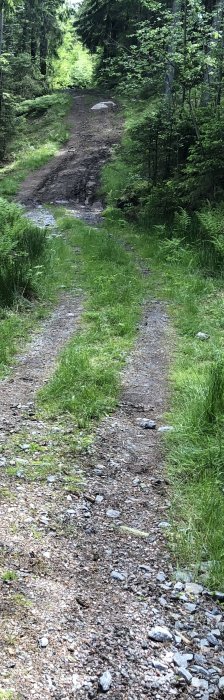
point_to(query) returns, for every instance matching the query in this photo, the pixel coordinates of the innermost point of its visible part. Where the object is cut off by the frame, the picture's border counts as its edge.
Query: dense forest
(167, 60)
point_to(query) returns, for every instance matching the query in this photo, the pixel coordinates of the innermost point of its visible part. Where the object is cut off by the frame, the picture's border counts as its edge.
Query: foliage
(73, 65)
(168, 60)
(40, 130)
(21, 249)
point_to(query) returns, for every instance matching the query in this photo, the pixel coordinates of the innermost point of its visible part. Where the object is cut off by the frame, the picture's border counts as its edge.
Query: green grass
(195, 449)
(47, 278)
(86, 382)
(37, 139)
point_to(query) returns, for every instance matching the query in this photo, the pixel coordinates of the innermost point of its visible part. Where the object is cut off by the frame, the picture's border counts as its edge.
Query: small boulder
(160, 634)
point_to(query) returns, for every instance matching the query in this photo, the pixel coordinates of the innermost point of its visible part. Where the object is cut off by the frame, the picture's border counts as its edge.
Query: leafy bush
(21, 249)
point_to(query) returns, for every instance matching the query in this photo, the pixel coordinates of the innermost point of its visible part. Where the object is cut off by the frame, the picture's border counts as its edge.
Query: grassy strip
(86, 382)
(55, 275)
(39, 134)
(195, 449)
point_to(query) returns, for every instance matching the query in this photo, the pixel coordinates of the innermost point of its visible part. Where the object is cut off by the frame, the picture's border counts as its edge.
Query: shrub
(21, 248)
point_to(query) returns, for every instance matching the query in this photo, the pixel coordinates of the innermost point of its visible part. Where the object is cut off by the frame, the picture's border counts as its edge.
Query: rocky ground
(91, 600)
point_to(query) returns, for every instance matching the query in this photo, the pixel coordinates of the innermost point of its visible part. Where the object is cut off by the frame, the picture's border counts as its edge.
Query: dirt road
(96, 604)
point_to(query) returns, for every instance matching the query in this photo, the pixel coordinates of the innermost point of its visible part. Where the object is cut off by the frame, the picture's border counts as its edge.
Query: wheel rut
(96, 605)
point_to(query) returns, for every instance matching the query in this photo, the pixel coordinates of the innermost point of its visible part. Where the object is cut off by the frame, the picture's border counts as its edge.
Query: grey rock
(99, 499)
(111, 513)
(105, 681)
(2, 461)
(199, 659)
(161, 577)
(190, 607)
(160, 634)
(193, 588)
(148, 424)
(178, 586)
(221, 684)
(165, 428)
(20, 474)
(212, 640)
(43, 642)
(184, 673)
(159, 666)
(200, 670)
(199, 683)
(99, 471)
(203, 642)
(25, 446)
(117, 575)
(103, 106)
(164, 524)
(218, 595)
(202, 336)
(182, 660)
(51, 479)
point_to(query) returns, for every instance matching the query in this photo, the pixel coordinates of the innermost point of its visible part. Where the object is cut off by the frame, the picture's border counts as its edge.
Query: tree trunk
(43, 51)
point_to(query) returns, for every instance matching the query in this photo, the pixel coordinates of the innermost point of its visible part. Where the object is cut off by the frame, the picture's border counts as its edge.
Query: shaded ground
(87, 592)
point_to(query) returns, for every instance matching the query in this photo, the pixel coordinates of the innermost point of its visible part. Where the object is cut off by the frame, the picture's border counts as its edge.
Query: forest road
(73, 175)
(95, 605)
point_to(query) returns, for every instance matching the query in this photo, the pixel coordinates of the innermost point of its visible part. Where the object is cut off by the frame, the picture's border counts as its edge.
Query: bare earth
(88, 590)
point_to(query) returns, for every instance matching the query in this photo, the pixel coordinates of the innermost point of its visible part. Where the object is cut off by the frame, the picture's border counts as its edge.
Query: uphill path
(96, 606)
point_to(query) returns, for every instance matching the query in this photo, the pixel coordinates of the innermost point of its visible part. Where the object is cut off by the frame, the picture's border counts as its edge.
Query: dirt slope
(73, 175)
(88, 591)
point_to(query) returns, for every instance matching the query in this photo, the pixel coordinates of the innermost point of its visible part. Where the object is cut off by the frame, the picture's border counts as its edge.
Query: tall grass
(22, 246)
(86, 380)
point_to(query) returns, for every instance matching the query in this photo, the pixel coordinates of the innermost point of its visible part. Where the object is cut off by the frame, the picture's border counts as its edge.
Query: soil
(94, 573)
(73, 175)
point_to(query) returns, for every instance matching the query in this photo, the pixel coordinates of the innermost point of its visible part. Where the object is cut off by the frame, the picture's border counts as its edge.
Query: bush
(21, 249)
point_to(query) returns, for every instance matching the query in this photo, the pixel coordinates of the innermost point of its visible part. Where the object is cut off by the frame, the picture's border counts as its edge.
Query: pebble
(113, 513)
(164, 524)
(43, 642)
(148, 424)
(200, 671)
(203, 642)
(161, 577)
(199, 683)
(2, 461)
(160, 634)
(202, 336)
(185, 674)
(51, 479)
(212, 640)
(105, 681)
(221, 684)
(99, 499)
(182, 660)
(190, 607)
(178, 586)
(117, 575)
(193, 588)
(165, 428)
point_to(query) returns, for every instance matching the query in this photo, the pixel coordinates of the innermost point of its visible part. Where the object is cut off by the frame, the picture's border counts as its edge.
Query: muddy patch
(74, 174)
